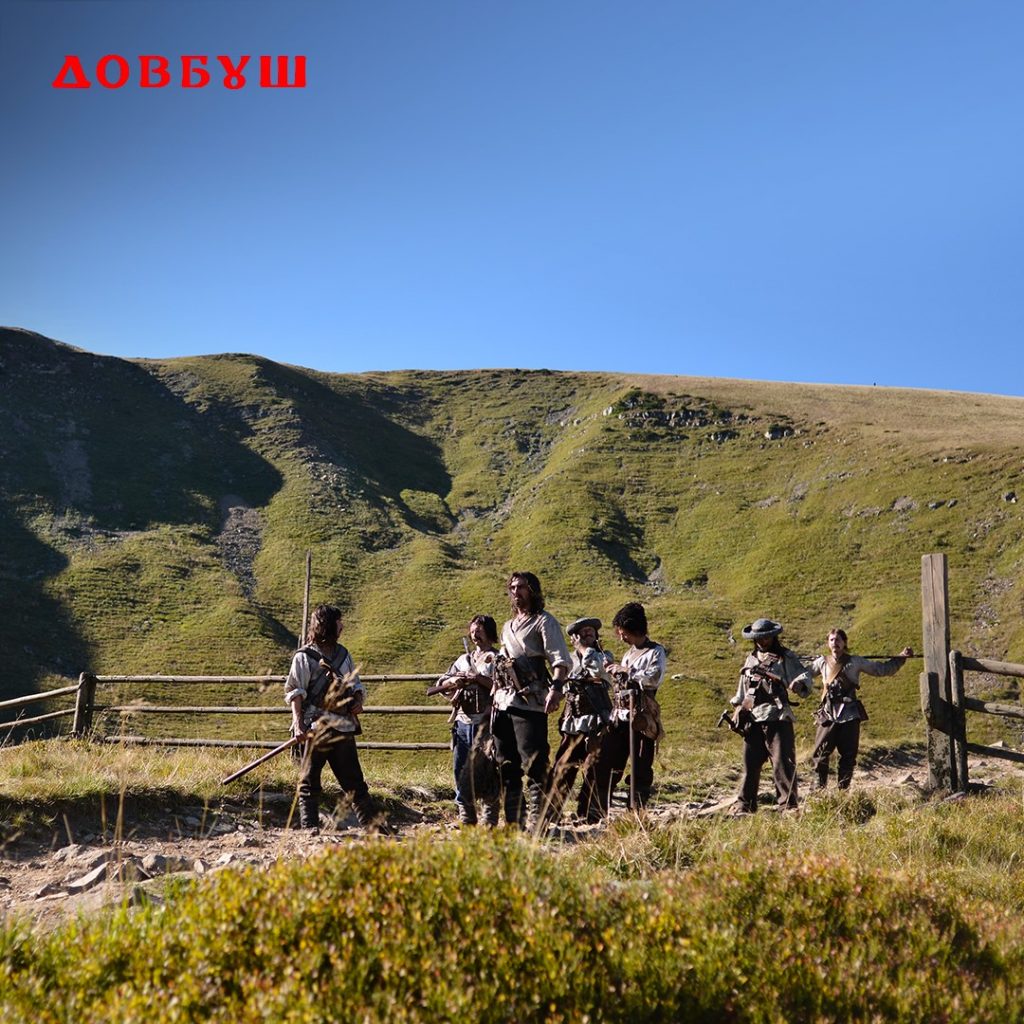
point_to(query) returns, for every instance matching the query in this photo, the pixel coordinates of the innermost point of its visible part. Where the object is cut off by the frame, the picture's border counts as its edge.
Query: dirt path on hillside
(79, 865)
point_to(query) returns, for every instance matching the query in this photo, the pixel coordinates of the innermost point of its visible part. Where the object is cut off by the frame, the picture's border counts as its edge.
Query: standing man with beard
(588, 710)
(532, 639)
(840, 713)
(770, 673)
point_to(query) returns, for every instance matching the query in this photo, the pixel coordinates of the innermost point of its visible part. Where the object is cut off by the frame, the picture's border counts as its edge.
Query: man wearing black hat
(765, 716)
(587, 713)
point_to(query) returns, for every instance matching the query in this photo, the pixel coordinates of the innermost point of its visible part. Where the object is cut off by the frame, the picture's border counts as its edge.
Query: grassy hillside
(154, 516)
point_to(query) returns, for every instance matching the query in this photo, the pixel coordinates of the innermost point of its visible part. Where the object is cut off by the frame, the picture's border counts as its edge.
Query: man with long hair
(533, 640)
(840, 713)
(326, 703)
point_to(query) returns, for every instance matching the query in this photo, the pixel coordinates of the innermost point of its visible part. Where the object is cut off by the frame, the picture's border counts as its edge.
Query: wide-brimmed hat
(761, 629)
(574, 628)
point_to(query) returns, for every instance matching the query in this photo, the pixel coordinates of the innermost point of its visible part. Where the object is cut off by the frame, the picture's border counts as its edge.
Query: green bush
(499, 928)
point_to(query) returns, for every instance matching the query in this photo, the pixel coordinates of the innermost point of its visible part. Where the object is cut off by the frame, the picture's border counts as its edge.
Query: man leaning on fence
(326, 696)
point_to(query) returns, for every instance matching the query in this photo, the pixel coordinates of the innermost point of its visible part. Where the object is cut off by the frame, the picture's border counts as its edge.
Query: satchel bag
(647, 718)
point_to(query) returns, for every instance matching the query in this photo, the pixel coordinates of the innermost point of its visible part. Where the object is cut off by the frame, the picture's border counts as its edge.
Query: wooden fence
(86, 709)
(943, 698)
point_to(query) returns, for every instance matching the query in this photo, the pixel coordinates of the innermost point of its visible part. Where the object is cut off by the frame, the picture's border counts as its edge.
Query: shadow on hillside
(108, 440)
(617, 538)
(36, 637)
(354, 429)
(101, 448)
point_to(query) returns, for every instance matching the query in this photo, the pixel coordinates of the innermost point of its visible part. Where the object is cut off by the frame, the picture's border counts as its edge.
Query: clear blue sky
(798, 191)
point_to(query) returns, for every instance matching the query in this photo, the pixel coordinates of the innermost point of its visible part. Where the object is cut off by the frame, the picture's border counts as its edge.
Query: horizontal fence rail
(961, 703)
(86, 706)
(33, 698)
(154, 741)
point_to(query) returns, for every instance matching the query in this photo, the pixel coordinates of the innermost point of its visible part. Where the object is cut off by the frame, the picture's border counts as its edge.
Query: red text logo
(196, 72)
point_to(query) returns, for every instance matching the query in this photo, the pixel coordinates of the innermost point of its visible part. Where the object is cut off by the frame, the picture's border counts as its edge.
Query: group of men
(764, 717)
(502, 698)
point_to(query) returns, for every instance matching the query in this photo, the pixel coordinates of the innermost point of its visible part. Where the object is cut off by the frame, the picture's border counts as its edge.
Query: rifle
(457, 682)
(733, 717)
(632, 751)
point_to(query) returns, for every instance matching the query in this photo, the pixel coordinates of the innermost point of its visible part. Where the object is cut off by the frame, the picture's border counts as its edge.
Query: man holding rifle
(636, 719)
(467, 685)
(326, 696)
(764, 716)
(587, 713)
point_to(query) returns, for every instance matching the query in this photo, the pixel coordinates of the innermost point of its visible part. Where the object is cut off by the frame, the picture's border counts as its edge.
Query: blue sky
(789, 191)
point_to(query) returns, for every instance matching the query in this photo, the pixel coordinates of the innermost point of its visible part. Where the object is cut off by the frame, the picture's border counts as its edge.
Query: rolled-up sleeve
(649, 670)
(555, 647)
(297, 683)
(349, 674)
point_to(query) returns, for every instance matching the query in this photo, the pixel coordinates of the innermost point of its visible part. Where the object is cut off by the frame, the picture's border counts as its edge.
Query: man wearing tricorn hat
(588, 708)
(764, 715)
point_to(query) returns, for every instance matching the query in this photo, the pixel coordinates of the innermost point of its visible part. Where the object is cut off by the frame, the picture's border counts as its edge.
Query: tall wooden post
(305, 597)
(936, 691)
(84, 700)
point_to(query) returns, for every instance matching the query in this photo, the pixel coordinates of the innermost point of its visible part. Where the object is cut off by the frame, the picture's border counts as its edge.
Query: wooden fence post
(959, 720)
(305, 599)
(84, 700)
(936, 693)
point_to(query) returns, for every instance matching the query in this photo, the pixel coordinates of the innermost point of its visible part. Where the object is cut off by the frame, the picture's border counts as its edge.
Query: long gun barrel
(288, 744)
(453, 683)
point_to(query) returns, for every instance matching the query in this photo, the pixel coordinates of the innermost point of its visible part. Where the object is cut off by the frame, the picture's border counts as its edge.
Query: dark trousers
(521, 738)
(343, 758)
(843, 737)
(614, 758)
(775, 742)
(573, 753)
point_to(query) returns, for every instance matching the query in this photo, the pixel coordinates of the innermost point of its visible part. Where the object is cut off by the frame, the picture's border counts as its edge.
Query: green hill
(154, 516)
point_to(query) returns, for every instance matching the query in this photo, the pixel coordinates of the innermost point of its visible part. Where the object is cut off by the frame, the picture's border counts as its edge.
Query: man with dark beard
(764, 716)
(588, 709)
(532, 639)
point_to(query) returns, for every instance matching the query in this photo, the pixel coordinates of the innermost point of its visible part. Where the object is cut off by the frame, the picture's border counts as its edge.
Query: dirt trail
(80, 866)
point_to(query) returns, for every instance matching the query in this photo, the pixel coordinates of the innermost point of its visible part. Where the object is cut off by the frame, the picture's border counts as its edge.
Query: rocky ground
(81, 862)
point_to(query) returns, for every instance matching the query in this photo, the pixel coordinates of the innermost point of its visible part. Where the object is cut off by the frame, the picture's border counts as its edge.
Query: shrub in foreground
(497, 928)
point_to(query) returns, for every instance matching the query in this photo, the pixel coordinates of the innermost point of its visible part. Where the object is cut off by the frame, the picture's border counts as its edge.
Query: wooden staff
(287, 745)
(632, 753)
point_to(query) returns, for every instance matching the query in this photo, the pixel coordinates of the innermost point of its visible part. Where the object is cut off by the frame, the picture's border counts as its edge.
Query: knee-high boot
(309, 811)
(515, 811)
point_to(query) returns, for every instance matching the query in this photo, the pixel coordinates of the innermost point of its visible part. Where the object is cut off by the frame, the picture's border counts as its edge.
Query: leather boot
(491, 810)
(467, 813)
(309, 812)
(515, 810)
(538, 810)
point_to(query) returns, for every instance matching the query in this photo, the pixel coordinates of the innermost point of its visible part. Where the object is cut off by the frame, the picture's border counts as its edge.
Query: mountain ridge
(157, 515)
